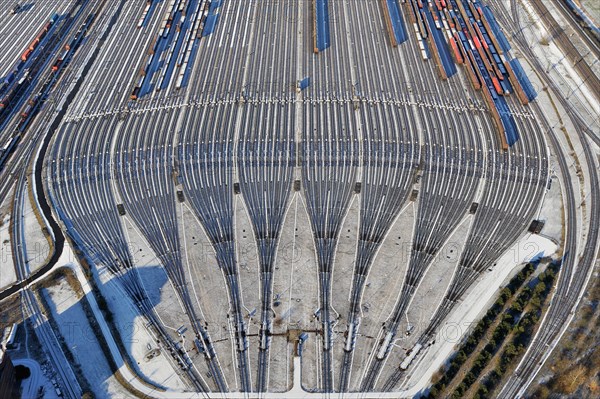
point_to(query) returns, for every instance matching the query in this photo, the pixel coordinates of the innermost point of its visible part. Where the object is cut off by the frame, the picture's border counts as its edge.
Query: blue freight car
(397, 21)
(523, 79)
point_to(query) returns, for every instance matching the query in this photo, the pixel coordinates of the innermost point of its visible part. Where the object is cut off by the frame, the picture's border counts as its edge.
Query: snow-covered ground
(35, 241)
(31, 386)
(558, 67)
(137, 339)
(592, 9)
(79, 337)
(472, 307)
(550, 214)
(154, 279)
(7, 269)
(37, 244)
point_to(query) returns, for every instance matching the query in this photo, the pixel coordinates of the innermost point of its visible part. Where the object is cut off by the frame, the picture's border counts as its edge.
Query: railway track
(39, 323)
(116, 256)
(591, 42)
(571, 282)
(566, 45)
(576, 269)
(323, 219)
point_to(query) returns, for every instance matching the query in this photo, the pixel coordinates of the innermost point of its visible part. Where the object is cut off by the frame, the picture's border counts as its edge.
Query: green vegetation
(530, 300)
(574, 364)
(508, 325)
(450, 371)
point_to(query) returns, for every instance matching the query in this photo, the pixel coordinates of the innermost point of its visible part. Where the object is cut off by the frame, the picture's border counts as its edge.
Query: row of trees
(450, 370)
(522, 332)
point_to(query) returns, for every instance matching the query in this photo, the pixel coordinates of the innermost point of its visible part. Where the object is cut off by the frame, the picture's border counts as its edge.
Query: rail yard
(296, 198)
